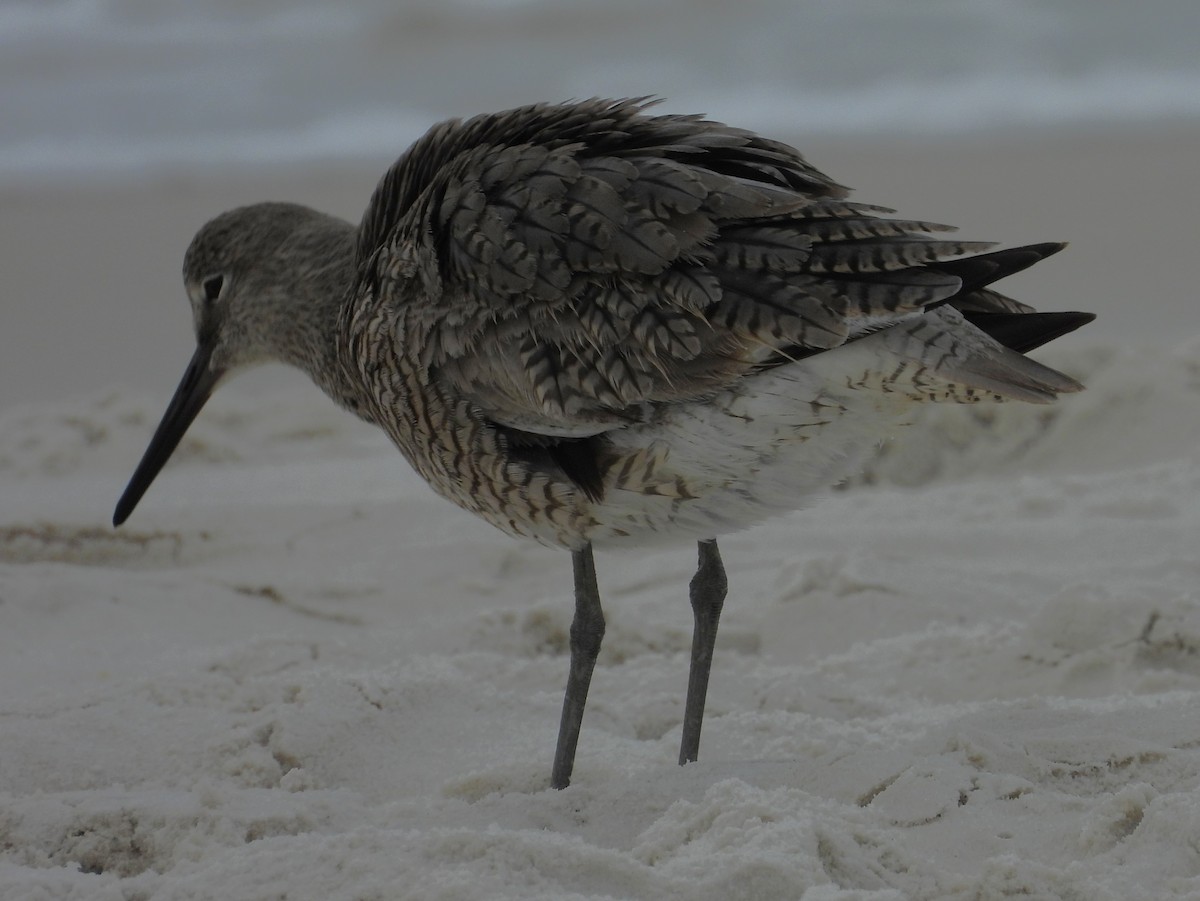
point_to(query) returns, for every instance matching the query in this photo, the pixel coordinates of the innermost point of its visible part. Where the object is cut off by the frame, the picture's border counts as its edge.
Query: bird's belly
(696, 470)
(763, 448)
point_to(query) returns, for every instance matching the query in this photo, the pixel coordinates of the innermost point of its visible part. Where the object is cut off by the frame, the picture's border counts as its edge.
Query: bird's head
(264, 282)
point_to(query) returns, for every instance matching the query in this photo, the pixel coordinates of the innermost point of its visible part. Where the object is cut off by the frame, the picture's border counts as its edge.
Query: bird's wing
(564, 266)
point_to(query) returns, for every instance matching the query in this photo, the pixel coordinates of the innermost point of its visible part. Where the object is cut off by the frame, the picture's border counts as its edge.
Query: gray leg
(708, 597)
(587, 631)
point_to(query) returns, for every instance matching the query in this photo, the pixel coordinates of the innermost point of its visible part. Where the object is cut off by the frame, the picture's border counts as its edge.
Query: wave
(113, 87)
(355, 136)
(914, 109)
(977, 102)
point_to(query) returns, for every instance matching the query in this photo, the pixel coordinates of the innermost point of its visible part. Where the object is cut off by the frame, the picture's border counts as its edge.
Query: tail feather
(1011, 375)
(990, 356)
(961, 363)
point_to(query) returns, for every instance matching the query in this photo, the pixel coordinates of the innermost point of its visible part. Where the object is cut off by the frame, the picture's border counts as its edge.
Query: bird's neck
(319, 281)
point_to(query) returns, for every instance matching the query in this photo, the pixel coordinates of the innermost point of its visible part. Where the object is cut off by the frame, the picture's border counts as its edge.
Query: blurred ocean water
(122, 87)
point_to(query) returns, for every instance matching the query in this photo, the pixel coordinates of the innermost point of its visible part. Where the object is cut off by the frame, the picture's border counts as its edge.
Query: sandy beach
(298, 673)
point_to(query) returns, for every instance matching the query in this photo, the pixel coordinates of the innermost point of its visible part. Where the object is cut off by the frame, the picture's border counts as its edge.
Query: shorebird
(589, 324)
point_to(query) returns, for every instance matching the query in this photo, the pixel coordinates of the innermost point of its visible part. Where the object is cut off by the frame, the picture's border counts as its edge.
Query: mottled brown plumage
(585, 323)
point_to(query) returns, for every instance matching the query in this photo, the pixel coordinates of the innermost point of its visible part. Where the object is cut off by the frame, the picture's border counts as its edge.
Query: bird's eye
(213, 286)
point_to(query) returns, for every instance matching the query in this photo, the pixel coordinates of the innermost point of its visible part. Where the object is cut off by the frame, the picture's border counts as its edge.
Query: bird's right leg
(708, 589)
(587, 631)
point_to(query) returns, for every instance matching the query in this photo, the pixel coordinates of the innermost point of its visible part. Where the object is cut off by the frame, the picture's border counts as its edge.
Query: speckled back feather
(619, 259)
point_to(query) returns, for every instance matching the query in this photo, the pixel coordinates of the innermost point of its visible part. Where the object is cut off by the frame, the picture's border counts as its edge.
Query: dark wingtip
(1048, 248)
(1017, 259)
(1026, 255)
(1024, 332)
(982, 269)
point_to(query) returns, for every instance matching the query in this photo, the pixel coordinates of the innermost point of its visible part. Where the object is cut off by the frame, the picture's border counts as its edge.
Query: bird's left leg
(708, 589)
(587, 631)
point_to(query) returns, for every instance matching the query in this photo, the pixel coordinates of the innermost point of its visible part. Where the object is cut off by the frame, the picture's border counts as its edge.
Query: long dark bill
(194, 390)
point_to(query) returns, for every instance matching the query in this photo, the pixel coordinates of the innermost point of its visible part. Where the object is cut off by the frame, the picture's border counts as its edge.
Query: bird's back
(557, 306)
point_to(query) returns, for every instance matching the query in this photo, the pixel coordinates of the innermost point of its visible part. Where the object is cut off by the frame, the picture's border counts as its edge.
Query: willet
(591, 325)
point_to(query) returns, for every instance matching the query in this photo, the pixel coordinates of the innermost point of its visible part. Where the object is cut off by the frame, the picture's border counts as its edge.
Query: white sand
(298, 674)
